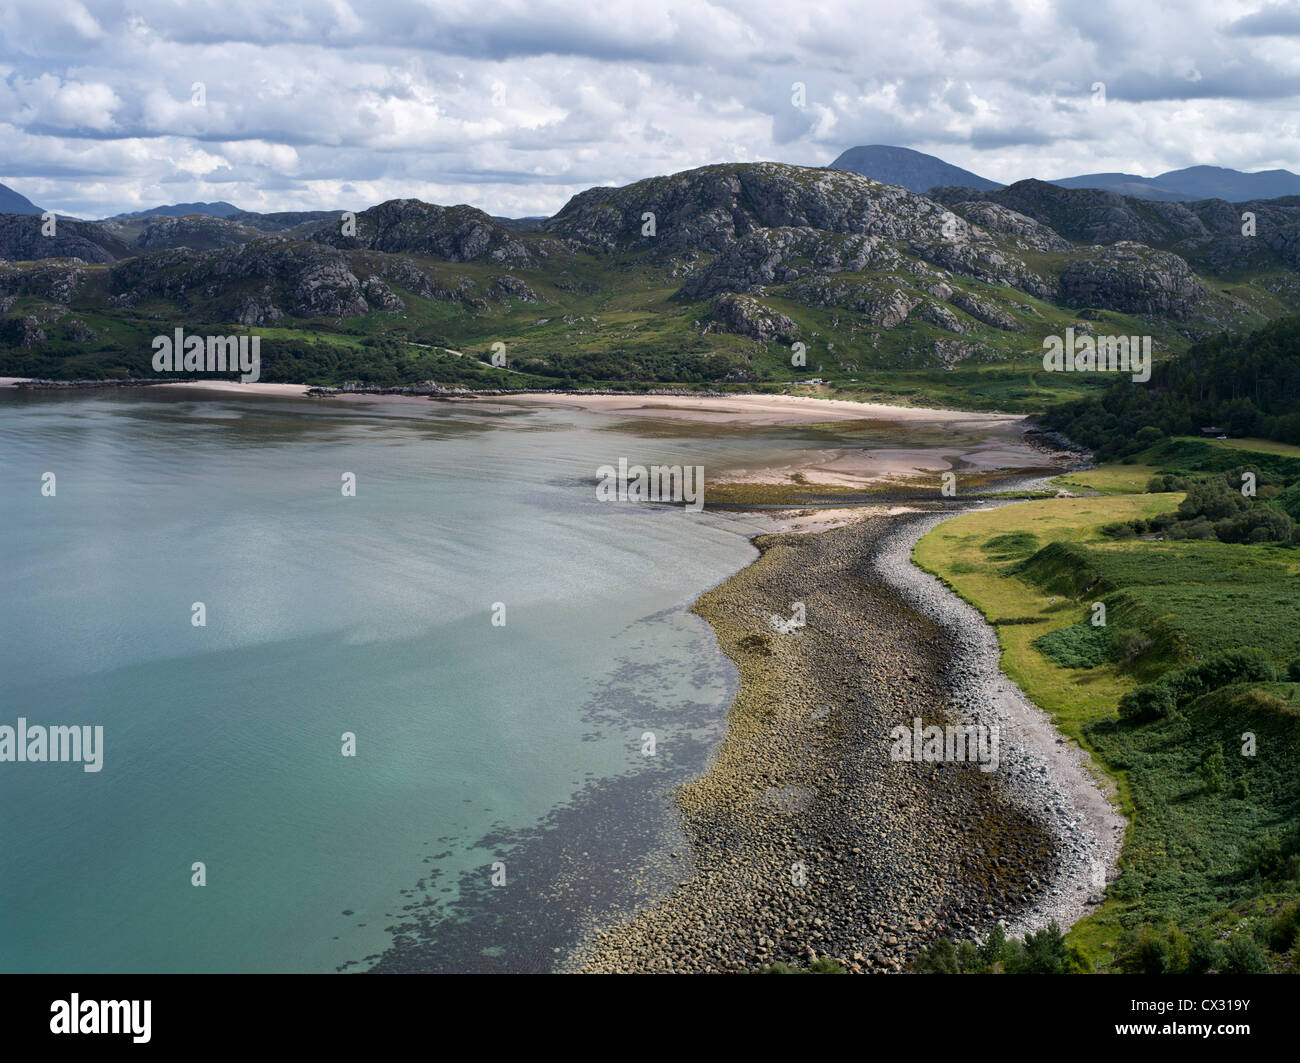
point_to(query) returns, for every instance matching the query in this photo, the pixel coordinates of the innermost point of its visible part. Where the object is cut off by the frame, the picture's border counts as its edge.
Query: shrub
(991, 950)
(939, 958)
(1149, 955)
(1129, 645)
(1044, 953)
(1163, 482)
(1283, 930)
(1262, 856)
(1076, 646)
(1211, 499)
(1147, 702)
(1243, 956)
(969, 959)
(1205, 955)
(1213, 768)
(1249, 665)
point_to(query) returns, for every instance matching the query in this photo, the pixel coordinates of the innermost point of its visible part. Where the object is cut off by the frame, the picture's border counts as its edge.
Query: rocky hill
(408, 226)
(1208, 232)
(22, 239)
(706, 275)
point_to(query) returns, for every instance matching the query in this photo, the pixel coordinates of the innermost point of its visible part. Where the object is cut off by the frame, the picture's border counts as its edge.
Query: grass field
(1108, 479)
(1185, 857)
(977, 554)
(1259, 446)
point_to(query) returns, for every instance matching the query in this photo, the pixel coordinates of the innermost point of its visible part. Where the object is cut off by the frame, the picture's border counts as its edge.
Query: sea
(383, 684)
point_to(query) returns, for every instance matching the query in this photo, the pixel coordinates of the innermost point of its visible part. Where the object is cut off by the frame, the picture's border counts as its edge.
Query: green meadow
(1211, 860)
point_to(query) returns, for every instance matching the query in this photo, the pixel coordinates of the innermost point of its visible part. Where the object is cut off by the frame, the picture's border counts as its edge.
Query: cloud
(517, 105)
(1272, 20)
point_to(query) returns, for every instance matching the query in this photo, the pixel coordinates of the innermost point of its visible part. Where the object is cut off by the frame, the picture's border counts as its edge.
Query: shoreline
(900, 644)
(800, 777)
(780, 408)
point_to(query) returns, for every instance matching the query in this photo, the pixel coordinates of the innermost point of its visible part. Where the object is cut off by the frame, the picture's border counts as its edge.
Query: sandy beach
(761, 409)
(862, 445)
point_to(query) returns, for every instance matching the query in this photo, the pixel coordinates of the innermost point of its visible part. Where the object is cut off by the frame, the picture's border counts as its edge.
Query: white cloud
(516, 105)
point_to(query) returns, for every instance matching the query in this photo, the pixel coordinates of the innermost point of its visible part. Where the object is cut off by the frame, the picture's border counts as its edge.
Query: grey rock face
(1087, 215)
(309, 280)
(255, 311)
(984, 262)
(411, 277)
(760, 258)
(193, 230)
(21, 240)
(1208, 232)
(57, 281)
(381, 296)
(881, 302)
(408, 226)
(21, 332)
(710, 208)
(1133, 279)
(746, 316)
(1027, 233)
(985, 311)
(507, 287)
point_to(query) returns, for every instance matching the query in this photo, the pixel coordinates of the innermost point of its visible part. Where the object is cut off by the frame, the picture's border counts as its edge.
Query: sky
(515, 105)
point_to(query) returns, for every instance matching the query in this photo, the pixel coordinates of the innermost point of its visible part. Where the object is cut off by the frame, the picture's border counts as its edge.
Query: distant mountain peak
(12, 202)
(913, 170)
(1193, 183)
(219, 209)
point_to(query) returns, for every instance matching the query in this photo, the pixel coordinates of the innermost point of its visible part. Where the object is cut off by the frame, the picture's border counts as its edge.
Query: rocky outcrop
(882, 303)
(57, 281)
(763, 257)
(193, 230)
(282, 220)
(985, 262)
(380, 296)
(939, 315)
(710, 208)
(251, 310)
(985, 310)
(22, 240)
(21, 332)
(1133, 279)
(745, 316)
(408, 226)
(1087, 215)
(507, 287)
(1206, 232)
(407, 274)
(1026, 233)
(307, 280)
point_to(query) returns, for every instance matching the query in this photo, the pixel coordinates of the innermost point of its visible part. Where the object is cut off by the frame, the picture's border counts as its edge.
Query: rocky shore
(808, 839)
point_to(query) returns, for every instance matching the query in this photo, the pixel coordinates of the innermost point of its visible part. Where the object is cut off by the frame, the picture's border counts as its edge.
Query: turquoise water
(327, 615)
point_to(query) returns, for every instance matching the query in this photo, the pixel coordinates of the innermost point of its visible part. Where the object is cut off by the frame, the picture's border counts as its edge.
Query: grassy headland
(1210, 870)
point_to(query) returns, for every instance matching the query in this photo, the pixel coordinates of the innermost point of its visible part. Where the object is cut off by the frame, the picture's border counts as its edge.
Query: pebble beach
(806, 838)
